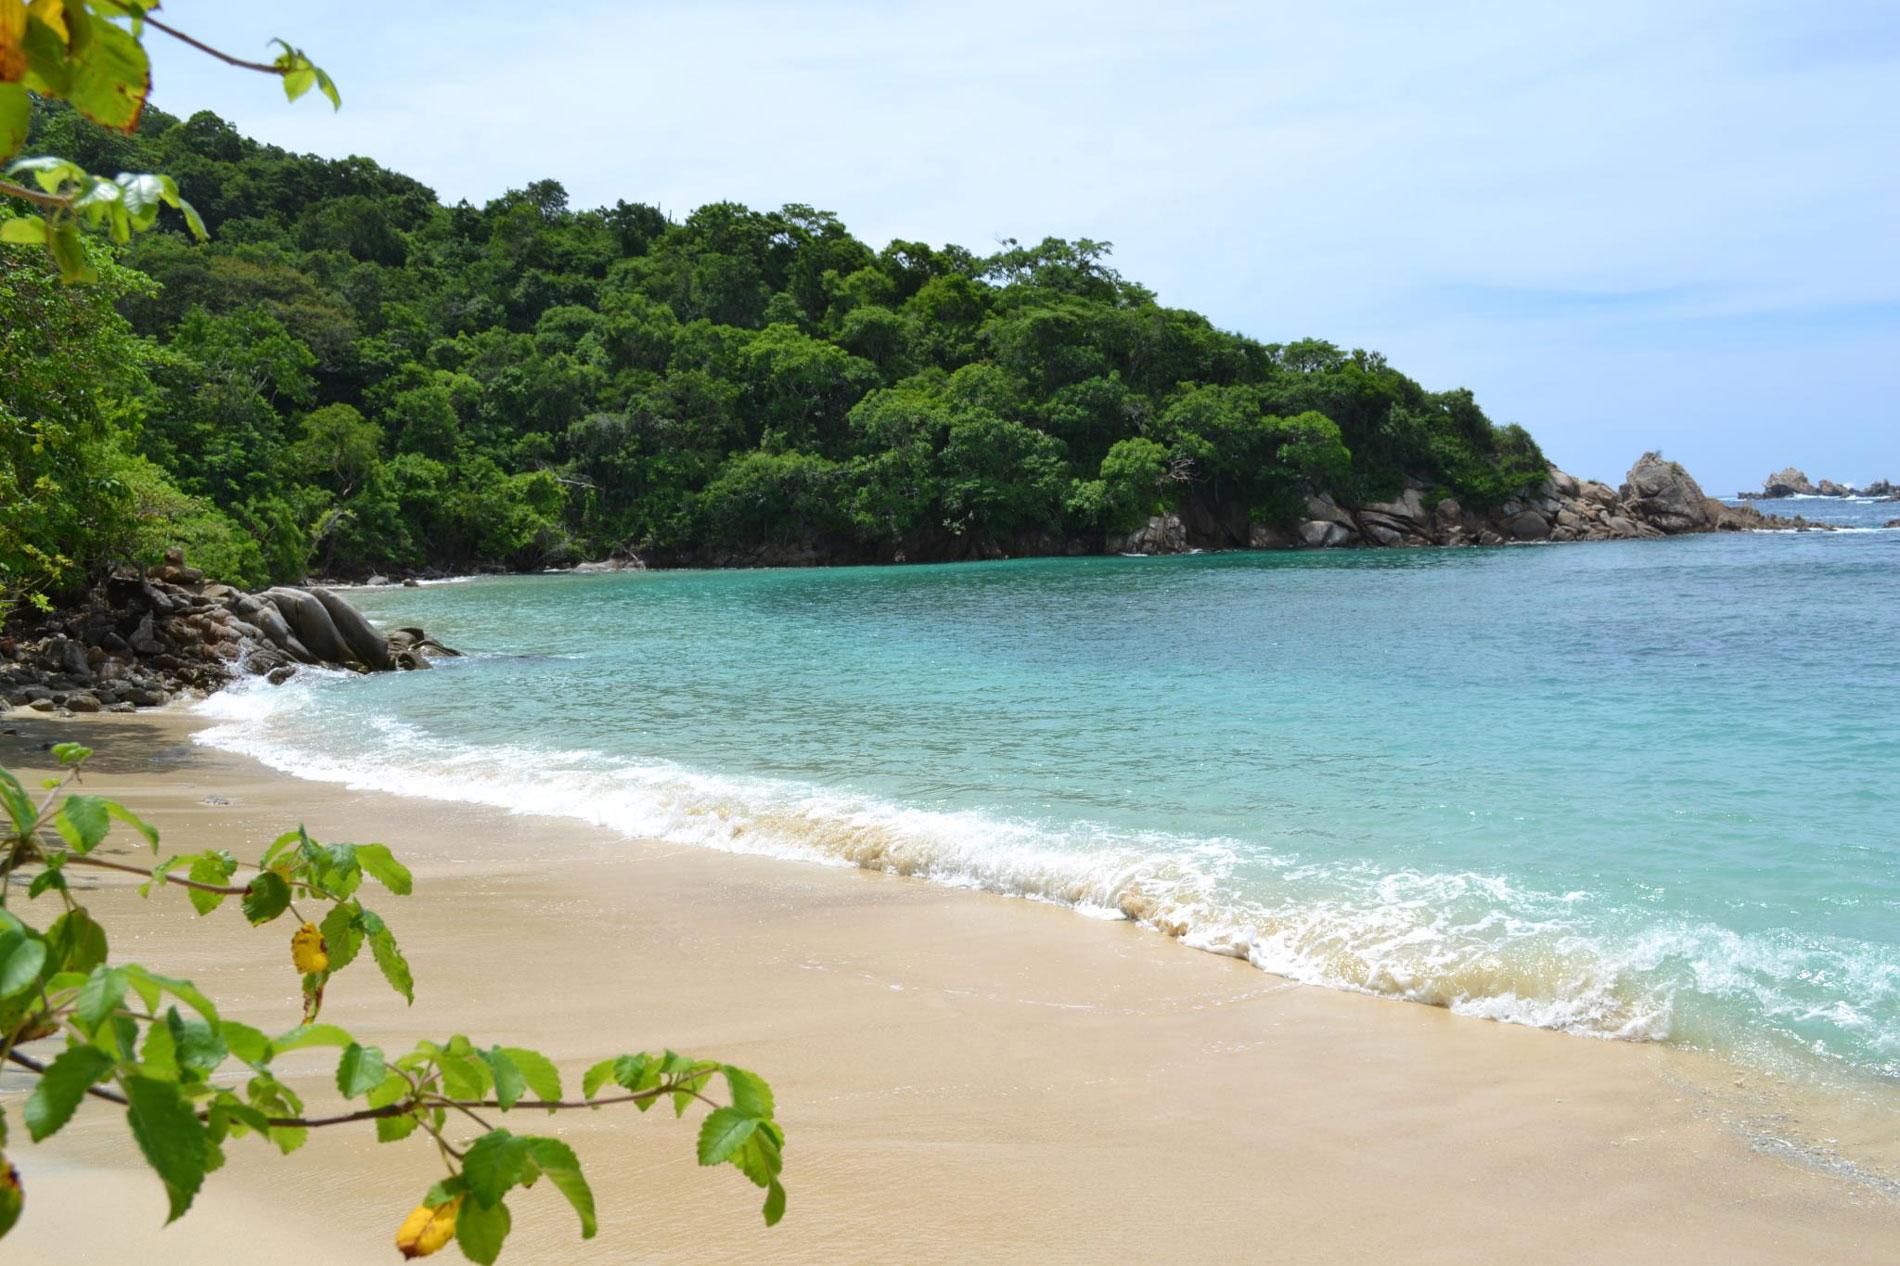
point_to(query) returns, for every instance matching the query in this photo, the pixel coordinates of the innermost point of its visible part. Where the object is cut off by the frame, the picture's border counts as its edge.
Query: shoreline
(929, 1045)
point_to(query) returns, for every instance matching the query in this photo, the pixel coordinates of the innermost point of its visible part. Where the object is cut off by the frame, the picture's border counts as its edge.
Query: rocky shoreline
(1657, 498)
(140, 640)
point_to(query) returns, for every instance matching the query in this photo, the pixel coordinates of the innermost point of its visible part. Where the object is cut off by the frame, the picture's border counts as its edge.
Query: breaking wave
(1476, 944)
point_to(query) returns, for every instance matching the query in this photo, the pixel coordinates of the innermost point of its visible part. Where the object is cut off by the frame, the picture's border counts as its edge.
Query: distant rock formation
(141, 639)
(1793, 483)
(1658, 498)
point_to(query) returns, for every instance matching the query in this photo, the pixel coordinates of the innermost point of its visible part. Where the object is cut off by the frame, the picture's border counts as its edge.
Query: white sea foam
(1477, 944)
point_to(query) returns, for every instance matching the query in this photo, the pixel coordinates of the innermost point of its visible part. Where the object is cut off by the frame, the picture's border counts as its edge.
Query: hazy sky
(1624, 225)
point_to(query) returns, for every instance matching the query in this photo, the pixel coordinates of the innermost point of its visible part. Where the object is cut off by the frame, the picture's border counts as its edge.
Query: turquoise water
(1640, 790)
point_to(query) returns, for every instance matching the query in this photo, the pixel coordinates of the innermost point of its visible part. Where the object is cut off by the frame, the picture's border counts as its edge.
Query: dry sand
(963, 1078)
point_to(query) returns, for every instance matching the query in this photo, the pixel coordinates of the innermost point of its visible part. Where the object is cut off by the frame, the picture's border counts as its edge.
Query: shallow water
(1637, 790)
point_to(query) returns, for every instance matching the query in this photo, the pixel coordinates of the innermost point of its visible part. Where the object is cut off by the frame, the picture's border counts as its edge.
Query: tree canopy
(350, 376)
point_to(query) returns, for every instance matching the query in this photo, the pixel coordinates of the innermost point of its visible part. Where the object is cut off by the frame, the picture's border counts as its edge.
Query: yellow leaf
(308, 951)
(425, 1230)
(12, 32)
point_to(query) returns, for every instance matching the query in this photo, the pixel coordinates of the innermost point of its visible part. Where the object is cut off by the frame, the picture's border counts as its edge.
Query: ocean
(1639, 790)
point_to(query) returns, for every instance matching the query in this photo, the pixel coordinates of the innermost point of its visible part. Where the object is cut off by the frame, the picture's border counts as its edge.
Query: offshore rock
(1788, 482)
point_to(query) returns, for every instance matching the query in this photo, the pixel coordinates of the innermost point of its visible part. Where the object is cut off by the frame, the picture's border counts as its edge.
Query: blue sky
(1624, 225)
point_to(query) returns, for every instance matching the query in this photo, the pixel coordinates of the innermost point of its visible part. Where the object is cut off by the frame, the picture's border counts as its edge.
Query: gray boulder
(1162, 534)
(1665, 496)
(366, 645)
(1320, 534)
(311, 622)
(1527, 525)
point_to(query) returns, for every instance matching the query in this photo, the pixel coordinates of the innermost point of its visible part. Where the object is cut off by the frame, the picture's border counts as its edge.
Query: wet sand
(962, 1077)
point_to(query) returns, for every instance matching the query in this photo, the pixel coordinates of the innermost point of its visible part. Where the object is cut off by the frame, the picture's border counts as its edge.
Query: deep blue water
(1635, 789)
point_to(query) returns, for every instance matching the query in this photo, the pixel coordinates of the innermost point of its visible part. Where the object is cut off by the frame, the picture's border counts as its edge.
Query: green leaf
(69, 253)
(158, 1055)
(19, 804)
(342, 935)
(21, 958)
(758, 1157)
(71, 754)
(596, 1077)
(392, 1089)
(493, 1165)
(443, 1192)
(76, 941)
(311, 1035)
(168, 1132)
(508, 1080)
(723, 1132)
(381, 865)
(24, 230)
(183, 990)
(120, 813)
(227, 1110)
(462, 1077)
(537, 1070)
(82, 821)
(110, 77)
(99, 997)
(245, 1042)
(395, 968)
(64, 1083)
(479, 1231)
(278, 845)
(774, 1203)
(16, 114)
(563, 1168)
(750, 1094)
(266, 897)
(359, 1071)
(209, 868)
(51, 877)
(196, 1044)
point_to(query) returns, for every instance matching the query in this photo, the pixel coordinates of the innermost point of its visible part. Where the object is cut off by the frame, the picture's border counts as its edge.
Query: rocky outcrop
(1665, 496)
(1787, 483)
(1658, 498)
(1792, 483)
(142, 639)
(1162, 534)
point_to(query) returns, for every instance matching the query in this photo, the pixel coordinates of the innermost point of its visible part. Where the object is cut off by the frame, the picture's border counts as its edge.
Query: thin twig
(407, 1106)
(203, 47)
(26, 193)
(76, 859)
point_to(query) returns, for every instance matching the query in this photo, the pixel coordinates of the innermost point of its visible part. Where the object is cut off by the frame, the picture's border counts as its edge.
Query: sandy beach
(962, 1077)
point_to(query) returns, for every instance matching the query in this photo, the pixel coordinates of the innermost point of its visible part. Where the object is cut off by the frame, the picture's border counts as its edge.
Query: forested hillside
(352, 377)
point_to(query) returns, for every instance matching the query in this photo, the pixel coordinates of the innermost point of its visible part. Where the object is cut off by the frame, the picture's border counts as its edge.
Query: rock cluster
(1793, 483)
(141, 639)
(1658, 498)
